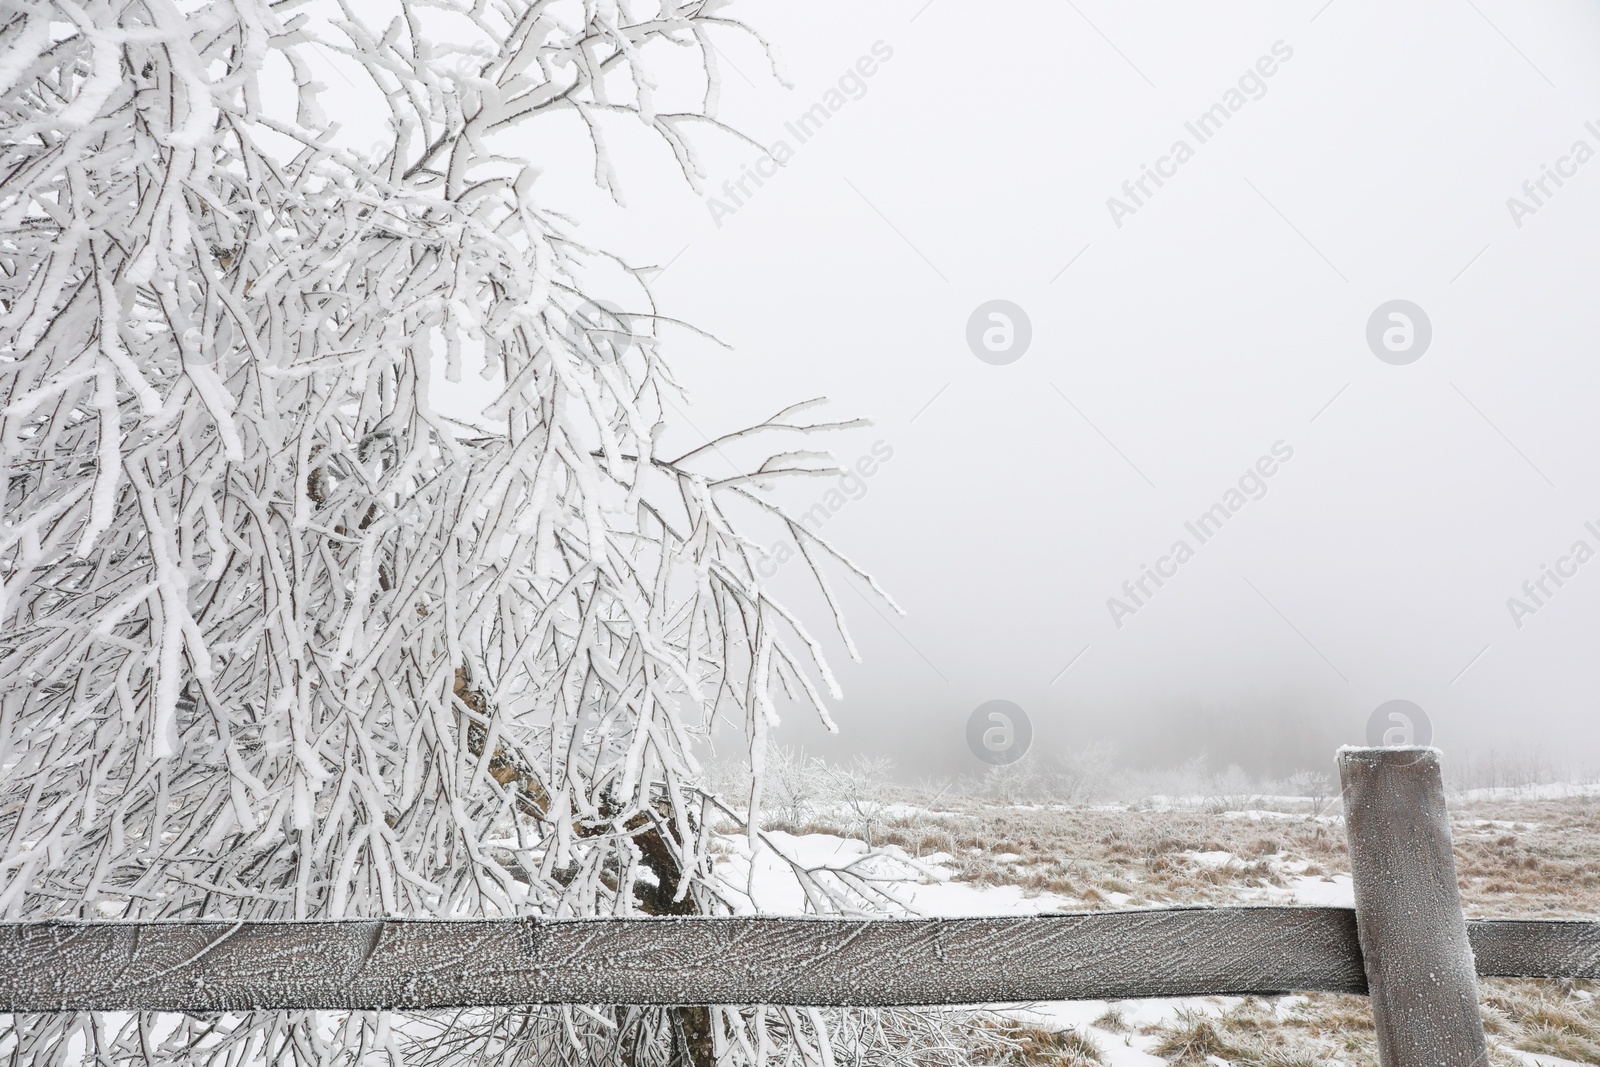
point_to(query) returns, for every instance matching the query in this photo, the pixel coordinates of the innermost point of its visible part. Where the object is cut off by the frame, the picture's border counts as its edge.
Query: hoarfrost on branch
(280, 638)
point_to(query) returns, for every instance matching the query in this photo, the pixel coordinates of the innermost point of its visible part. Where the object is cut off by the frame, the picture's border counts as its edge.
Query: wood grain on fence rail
(212, 966)
(1535, 948)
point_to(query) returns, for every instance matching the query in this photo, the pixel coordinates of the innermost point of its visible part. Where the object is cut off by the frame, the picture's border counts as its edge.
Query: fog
(1189, 331)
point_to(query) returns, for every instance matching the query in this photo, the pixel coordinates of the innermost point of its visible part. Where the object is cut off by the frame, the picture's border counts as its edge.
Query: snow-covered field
(1519, 853)
(931, 886)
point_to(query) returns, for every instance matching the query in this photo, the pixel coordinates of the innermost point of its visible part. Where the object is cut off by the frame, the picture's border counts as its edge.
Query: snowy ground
(930, 885)
(1520, 852)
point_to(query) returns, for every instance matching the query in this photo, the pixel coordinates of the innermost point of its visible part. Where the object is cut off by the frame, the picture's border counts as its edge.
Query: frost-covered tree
(862, 790)
(280, 639)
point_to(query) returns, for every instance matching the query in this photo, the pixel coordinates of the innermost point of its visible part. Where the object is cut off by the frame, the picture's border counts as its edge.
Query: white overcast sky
(1228, 313)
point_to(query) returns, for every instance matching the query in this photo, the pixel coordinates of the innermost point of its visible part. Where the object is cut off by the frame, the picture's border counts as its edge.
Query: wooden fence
(1406, 944)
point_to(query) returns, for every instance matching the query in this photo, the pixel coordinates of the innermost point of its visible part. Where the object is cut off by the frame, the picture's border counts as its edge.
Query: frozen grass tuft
(1113, 1021)
(1027, 1046)
(1191, 1038)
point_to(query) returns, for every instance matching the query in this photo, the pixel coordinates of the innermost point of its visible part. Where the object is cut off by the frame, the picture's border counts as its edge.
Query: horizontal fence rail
(206, 966)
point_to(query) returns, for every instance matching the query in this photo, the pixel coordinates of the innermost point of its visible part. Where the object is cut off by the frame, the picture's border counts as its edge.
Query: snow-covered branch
(280, 638)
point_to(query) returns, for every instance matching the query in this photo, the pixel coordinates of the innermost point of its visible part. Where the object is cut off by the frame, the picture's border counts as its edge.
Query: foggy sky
(1176, 341)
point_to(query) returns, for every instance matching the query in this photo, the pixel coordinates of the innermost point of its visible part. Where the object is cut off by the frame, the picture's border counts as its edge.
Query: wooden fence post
(1420, 971)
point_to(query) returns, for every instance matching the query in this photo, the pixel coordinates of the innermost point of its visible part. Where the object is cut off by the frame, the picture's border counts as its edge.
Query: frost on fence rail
(211, 966)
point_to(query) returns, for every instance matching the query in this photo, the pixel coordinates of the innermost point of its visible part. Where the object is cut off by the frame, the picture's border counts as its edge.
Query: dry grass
(1555, 1018)
(1323, 1029)
(1258, 1032)
(1530, 857)
(1516, 858)
(1098, 857)
(1190, 1038)
(1524, 858)
(1112, 1021)
(1024, 1046)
